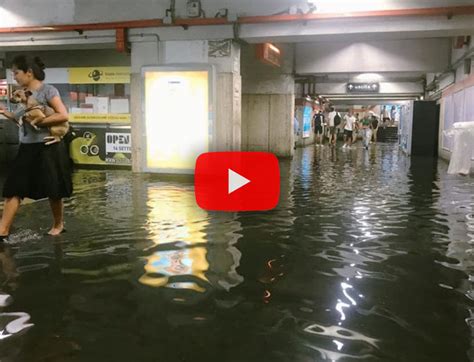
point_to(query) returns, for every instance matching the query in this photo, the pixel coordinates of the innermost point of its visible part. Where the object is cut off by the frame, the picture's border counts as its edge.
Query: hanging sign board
(363, 87)
(269, 54)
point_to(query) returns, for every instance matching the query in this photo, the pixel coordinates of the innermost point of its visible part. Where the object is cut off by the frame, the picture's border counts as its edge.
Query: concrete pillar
(224, 55)
(143, 53)
(268, 103)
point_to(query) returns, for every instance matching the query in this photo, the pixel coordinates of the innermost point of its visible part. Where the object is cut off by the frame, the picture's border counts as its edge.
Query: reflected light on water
(173, 220)
(340, 308)
(338, 344)
(346, 286)
(13, 323)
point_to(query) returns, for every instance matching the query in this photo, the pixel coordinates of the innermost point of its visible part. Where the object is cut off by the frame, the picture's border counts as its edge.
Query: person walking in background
(334, 120)
(340, 126)
(355, 132)
(349, 121)
(318, 121)
(327, 128)
(366, 130)
(393, 115)
(385, 115)
(374, 122)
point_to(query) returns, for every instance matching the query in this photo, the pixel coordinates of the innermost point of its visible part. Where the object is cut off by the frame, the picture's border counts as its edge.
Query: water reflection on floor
(367, 257)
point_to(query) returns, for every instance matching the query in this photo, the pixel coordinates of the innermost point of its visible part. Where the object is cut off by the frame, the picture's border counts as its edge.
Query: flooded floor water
(367, 257)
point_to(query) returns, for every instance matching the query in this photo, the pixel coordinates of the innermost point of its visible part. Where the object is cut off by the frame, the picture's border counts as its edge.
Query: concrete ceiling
(356, 77)
(359, 29)
(23, 13)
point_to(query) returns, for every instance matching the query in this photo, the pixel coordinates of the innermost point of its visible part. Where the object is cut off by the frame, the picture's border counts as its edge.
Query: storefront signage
(101, 146)
(118, 142)
(99, 75)
(99, 118)
(363, 87)
(269, 54)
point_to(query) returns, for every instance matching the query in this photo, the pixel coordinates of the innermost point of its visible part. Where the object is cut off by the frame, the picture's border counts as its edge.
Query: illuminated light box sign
(363, 87)
(269, 54)
(307, 112)
(178, 116)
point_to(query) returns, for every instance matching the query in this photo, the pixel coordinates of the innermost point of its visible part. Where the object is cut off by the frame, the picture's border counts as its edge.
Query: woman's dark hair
(25, 63)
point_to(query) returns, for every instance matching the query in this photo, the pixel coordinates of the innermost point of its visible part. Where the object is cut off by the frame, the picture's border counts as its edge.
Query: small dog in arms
(36, 112)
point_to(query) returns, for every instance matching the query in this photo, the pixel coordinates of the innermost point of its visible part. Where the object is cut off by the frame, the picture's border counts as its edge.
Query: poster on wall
(307, 110)
(102, 146)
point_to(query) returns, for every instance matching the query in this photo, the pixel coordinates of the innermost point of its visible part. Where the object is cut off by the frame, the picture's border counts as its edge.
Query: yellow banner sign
(99, 118)
(99, 75)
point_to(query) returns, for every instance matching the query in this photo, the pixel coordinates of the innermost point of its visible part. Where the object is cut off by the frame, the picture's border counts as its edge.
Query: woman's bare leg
(10, 208)
(57, 208)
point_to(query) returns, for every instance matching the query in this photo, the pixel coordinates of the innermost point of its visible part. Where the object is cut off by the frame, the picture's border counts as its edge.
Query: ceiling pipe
(85, 27)
(186, 22)
(151, 23)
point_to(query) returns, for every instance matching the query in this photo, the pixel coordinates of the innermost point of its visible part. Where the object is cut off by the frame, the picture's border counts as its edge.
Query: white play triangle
(236, 181)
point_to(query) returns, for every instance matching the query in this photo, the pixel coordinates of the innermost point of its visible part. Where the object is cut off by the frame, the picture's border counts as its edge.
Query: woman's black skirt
(40, 171)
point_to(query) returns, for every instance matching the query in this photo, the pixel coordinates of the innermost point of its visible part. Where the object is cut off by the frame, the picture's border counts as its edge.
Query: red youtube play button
(237, 181)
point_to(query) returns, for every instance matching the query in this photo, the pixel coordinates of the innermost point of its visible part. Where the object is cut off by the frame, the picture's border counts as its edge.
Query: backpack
(337, 120)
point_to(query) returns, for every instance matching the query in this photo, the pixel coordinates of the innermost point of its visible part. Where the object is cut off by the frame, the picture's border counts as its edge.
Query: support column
(224, 55)
(268, 103)
(143, 53)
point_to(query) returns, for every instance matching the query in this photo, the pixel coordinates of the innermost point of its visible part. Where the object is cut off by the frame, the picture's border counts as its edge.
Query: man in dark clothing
(318, 121)
(375, 127)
